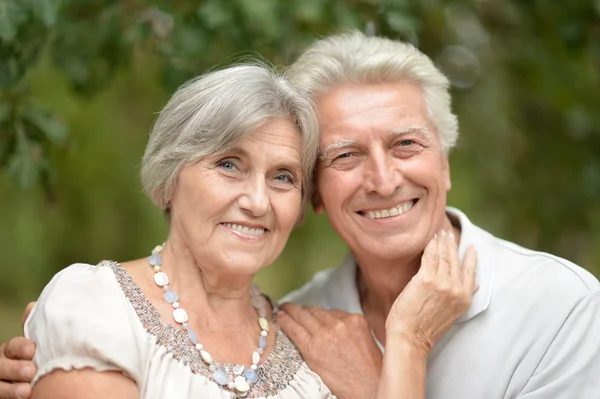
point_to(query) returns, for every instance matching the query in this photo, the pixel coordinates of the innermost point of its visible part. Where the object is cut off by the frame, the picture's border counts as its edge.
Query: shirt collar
(470, 235)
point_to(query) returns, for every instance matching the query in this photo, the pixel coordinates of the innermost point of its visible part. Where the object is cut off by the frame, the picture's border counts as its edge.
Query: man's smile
(396, 210)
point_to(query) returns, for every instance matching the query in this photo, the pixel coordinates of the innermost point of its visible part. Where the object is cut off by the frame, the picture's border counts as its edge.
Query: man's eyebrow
(336, 146)
(410, 129)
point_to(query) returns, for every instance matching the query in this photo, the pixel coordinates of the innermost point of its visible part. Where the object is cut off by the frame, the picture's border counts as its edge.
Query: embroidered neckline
(275, 373)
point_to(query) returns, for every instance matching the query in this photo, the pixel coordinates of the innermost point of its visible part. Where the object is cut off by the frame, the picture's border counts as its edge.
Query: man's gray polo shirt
(532, 332)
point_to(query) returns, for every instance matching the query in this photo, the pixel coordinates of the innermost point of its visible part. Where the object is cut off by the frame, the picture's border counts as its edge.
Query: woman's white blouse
(97, 317)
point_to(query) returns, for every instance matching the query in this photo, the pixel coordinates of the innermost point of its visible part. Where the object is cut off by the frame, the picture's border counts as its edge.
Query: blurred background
(81, 82)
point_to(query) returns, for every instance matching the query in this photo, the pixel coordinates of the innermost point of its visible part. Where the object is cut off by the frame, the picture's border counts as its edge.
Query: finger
(19, 348)
(294, 330)
(14, 391)
(27, 312)
(303, 317)
(326, 317)
(469, 269)
(455, 267)
(429, 260)
(444, 264)
(16, 370)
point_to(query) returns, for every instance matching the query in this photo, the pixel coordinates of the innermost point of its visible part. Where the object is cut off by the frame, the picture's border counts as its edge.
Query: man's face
(383, 174)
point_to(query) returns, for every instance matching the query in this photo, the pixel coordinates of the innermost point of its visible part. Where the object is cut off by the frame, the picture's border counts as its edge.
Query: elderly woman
(230, 159)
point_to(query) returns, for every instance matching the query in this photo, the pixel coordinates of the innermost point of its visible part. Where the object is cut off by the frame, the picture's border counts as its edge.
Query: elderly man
(533, 330)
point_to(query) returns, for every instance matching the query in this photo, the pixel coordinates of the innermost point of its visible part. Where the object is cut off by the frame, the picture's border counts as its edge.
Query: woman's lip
(246, 224)
(242, 235)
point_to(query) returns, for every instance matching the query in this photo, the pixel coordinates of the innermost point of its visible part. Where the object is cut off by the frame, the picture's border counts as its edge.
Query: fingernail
(23, 392)
(27, 373)
(443, 233)
(451, 234)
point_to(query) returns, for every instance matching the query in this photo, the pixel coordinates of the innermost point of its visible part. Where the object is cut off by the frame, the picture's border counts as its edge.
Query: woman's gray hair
(215, 112)
(355, 58)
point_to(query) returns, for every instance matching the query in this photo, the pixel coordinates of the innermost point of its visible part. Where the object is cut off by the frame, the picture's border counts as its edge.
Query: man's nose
(255, 199)
(381, 175)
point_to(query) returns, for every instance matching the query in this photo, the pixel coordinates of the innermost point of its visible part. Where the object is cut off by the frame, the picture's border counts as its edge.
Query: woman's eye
(226, 164)
(285, 178)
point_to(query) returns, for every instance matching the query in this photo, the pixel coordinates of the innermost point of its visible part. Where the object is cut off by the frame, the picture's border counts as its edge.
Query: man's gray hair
(215, 112)
(354, 58)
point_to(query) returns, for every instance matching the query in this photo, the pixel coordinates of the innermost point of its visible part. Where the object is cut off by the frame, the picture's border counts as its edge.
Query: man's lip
(386, 207)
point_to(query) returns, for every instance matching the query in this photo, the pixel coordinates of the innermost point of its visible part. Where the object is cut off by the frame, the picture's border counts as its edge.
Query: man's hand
(338, 346)
(16, 367)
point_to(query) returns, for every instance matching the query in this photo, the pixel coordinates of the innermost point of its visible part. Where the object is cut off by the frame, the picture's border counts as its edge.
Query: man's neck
(380, 282)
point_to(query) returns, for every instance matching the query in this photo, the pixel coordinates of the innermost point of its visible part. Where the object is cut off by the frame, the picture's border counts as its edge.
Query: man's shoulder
(317, 291)
(540, 274)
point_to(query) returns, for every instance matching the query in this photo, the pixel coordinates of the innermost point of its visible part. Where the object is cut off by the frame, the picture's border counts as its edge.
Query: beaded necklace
(244, 378)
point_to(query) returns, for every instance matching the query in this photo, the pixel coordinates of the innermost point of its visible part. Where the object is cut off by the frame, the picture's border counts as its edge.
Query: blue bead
(262, 342)
(220, 377)
(251, 376)
(155, 260)
(171, 296)
(193, 337)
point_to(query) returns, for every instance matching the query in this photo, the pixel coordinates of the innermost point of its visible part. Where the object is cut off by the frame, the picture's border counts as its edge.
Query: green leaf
(27, 162)
(403, 22)
(12, 15)
(50, 126)
(46, 11)
(5, 108)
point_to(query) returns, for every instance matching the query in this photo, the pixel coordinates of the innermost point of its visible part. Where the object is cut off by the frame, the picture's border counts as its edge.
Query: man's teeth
(245, 230)
(386, 213)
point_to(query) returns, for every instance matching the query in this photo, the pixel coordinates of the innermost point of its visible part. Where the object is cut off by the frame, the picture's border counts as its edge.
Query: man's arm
(16, 366)
(85, 384)
(570, 367)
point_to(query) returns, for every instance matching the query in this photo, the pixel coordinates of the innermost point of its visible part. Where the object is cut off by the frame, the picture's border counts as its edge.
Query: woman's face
(236, 210)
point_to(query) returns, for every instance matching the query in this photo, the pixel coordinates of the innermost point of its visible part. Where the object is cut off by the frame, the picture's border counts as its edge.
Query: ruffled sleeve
(305, 384)
(83, 320)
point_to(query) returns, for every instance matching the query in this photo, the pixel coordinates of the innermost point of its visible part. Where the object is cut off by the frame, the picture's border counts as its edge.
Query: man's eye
(344, 155)
(405, 143)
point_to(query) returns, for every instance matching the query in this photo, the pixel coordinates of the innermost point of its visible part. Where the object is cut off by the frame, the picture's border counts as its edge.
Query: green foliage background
(81, 82)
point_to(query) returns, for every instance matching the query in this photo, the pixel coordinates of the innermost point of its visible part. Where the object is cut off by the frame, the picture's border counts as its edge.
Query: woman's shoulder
(82, 284)
(86, 298)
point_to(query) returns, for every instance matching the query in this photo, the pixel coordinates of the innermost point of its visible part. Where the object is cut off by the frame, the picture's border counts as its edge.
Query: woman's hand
(436, 296)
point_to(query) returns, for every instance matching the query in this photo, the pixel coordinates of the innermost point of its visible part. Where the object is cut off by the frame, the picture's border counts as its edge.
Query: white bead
(157, 248)
(254, 367)
(180, 316)
(263, 333)
(175, 305)
(199, 347)
(255, 358)
(241, 385)
(206, 357)
(161, 279)
(230, 385)
(264, 324)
